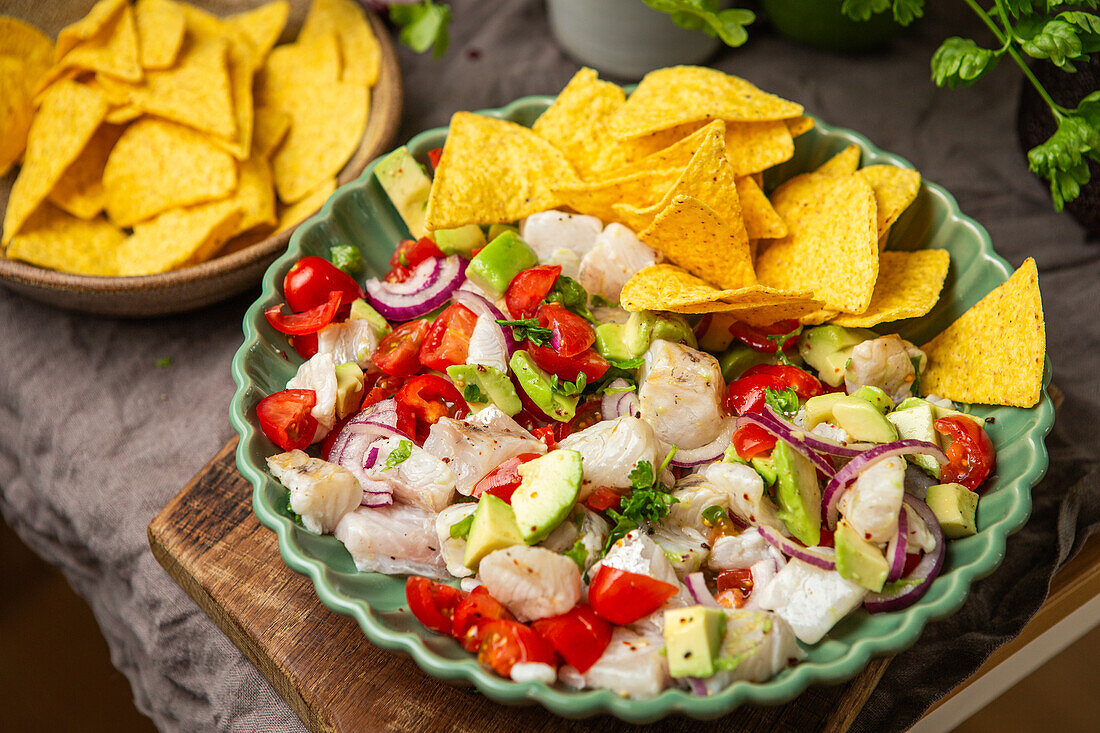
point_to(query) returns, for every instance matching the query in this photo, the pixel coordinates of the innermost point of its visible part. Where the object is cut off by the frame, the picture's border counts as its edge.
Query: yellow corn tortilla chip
(818, 317)
(994, 353)
(88, 27)
(160, 26)
(16, 111)
(761, 219)
(601, 198)
(178, 238)
(362, 56)
(53, 239)
(123, 114)
(80, 189)
(315, 60)
(681, 94)
(842, 164)
(112, 50)
(672, 288)
(832, 245)
(492, 172)
(908, 285)
(185, 166)
(255, 194)
(895, 188)
(261, 26)
(574, 122)
(270, 127)
(28, 45)
(291, 215)
(752, 147)
(195, 92)
(799, 125)
(693, 236)
(69, 116)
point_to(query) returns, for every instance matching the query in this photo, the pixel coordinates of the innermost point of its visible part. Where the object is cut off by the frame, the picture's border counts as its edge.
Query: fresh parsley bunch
(705, 15)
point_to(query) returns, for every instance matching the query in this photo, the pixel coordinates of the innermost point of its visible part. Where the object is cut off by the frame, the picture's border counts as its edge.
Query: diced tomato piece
(308, 321)
(411, 252)
(622, 597)
(432, 603)
(398, 354)
(970, 455)
(286, 418)
(507, 643)
(398, 274)
(579, 636)
(474, 612)
(568, 367)
(757, 338)
(309, 281)
(752, 440)
(572, 334)
(305, 345)
(385, 386)
(603, 499)
(448, 339)
(586, 415)
(739, 578)
(545, 433)
(429, 397)
(434, 155)
(529, 288)
(747, 394)
(503, 480)
(911, 561)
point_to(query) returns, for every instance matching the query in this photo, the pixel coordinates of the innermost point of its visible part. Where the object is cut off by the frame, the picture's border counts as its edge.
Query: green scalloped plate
(360, 214)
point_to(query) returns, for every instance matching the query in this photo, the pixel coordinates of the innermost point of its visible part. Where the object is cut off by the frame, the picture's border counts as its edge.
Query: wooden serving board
(208, 539)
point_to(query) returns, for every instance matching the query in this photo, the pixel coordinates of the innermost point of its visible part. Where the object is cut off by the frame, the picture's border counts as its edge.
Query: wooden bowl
(231, 272)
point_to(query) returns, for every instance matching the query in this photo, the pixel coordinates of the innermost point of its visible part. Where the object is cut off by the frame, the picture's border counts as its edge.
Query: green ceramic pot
(360, 214)
(821, 24)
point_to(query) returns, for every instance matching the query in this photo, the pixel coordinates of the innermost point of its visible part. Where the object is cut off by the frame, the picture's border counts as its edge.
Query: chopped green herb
(399, 454)
(472, 393)
(164, 362)
(578, 553)
(785, 401)
(641, 505)
(627, 364)
(569, 388)
(914, 388)
(781, 338)
(460, 530)
(423, 25)
(347, 258)
(293, 514)
(602, 302)
(641, 476)
(706, 15)
(572, 295)
(714, 514)
(404, 260)
(668, 460)
(528, 328)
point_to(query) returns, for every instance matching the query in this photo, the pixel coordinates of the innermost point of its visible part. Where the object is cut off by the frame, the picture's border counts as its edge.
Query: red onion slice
(374, 499)
(372, 457)
(810, 556)
(483, 308)
(698, 686)
(917, 583)
(819, 443)
(896, 550)
(710, 452)
(697, 587)
(839, 483)
(432, 282)
(619, 404)
(793, 436)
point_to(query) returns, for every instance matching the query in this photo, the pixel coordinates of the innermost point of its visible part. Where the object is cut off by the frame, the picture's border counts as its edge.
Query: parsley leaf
(572, 295)
(785, 401)
(705, 15)
(960, 62)
(399, 454)
(602, 302)
(1062, 158)
(472, 393)
(423, 26)
(528, 328)
(627, 364)
(347, 258)
(641, 505)
(568, 388)
(905, 11)
(578, 553)
(293, 514)
(781, 338)
(164, 362)
(641, 476)
(914, 388)
(460, 530)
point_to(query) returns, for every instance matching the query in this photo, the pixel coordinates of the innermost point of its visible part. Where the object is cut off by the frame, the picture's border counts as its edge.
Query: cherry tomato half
(752, 440)
(503, 480)
(971, 456)
(305, 345)
(746, 394)
(310, 280)
(507, 643)
(286, 418)
(622, 597)
(398, 354)
(568, 367)
(427, 398)
(586, 415)
(411, 252)
(384, 387)
(579, 636)
(757, 338)
(432, 603)
(473, 613)
(307, 321)
(529, 288)
(572, 334)
(448, 340)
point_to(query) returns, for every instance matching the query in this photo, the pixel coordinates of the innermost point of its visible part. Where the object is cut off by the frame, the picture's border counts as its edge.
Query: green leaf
(572, 295)
(780, 339)
(641, 476)
(1057, 42)
(864, 9)
(1062, 158)
(714, 514)
(785, 402)
(906, 11)
(472, 393)
(578, 553)
(528, 328)
(961, 62)
(164, 362)
(641, 505)
(628, 364)
(569, 388)
(423, 26)
(704, 15)
(1088, 27)
(293, 514)
(460, 530)
(399, 454)
(347, 258)
(668, 460)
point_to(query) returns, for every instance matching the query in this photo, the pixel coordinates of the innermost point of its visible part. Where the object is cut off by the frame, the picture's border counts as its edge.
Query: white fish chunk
(319, 374)
(745, 489)
(567, 259)
(421, 480)
(918, 536)
(739, 552)
(872, 504)
(694, 494)
(610, 450)
(533, 672)
(686, 548)
(615, 257)
(453, 549)
(552, 230)
(681, 394)
(321, 492)
(393, 540)
(353, 340)
(532, 582)
(495, 418)
(471, 451)
(811, 600)
(486, 347)
(886, 363)
(632, 665)
(584, 526)
(637, 553)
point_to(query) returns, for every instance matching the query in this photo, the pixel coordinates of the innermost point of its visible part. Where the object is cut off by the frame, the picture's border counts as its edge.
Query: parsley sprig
(649, 500)
(779, 340)
(423, 25)
(783, 401)
(706, 16)
(568, 389)
(528, 328)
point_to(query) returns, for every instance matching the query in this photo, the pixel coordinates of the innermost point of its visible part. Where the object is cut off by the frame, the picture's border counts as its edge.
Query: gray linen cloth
(95, 438)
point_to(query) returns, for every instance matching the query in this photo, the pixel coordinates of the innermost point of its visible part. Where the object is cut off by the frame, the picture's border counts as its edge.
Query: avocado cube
(494, 528)
(858, 560)
(361, 310)
(875, 396)
(798, 493)
(495, 230)
(493, 268)
(820, 409)
(405, 182)
(673, 327)
(638, 332)
(916, 421)
(349, 389)
(955, 506)
(693, 637)
(739, 358)
(824, 346)
(548, 489)
(765, 468)
(610, 342)
(490, 381)
(461, 240)
(539, 387)
(863, 421)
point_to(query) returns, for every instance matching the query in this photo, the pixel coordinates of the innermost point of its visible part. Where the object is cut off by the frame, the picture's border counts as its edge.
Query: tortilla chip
(818, 317)
(799, 125)
(53, 239)
(761, 219)
(842, 164)
(270, 129)
(111, 50)
(69, 116)
(101, 14)
(178, 238)
(255, 195)
(160, 26)
(122, 115)
(672, 288)
(994, 353)
(80, 189)
(28, 45)
(186, 167)
(832, 245)
(666, 149)
(693, 236)
(574, 122)
(601, 198)
(752, 147)
(908, 285)
(291, 215)
(895, 188)
(16, 111)
(195, 92)
(261, 26)
(493, 172)
(361, 53)
(682, 94)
